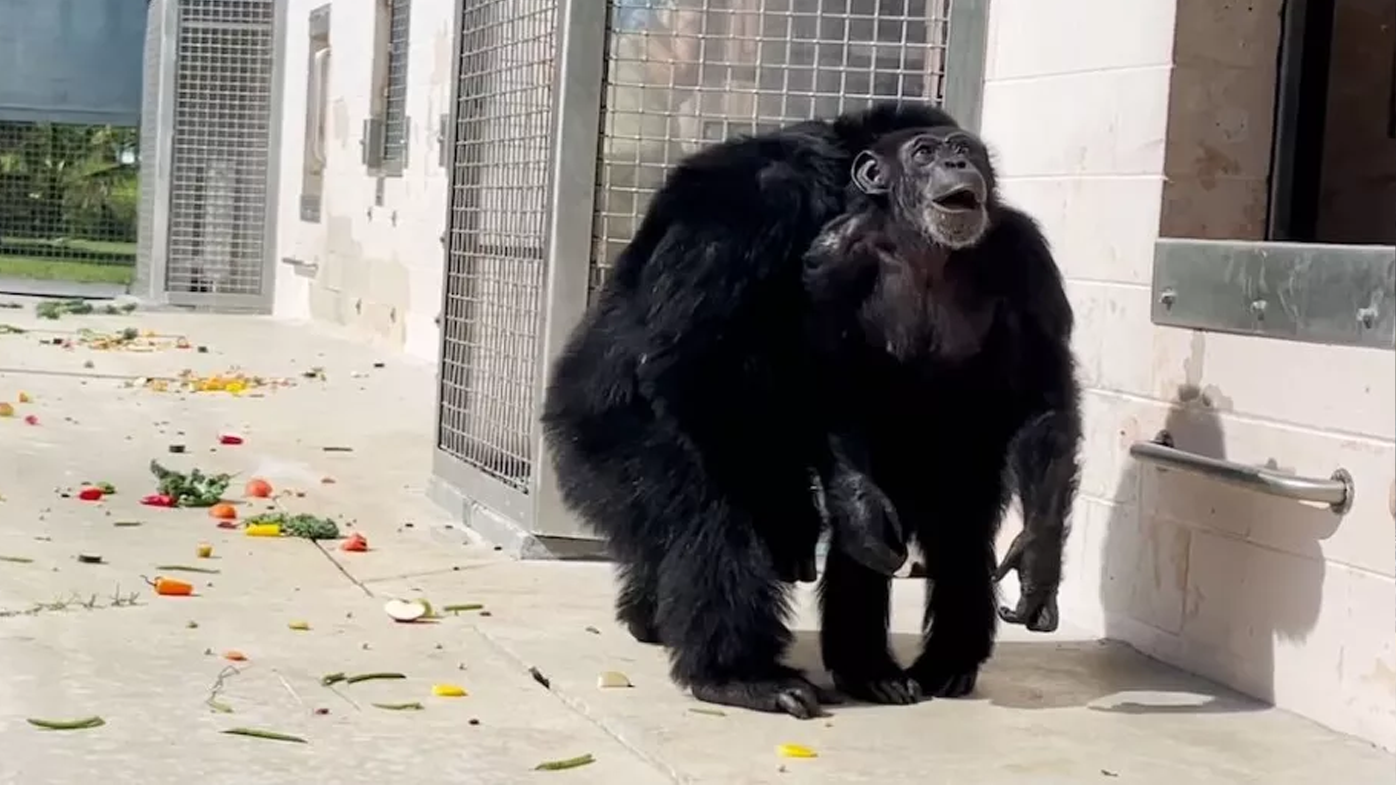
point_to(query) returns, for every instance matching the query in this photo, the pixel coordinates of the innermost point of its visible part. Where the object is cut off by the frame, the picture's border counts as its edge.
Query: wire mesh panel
(685, 73)
(69, 197)
(395, 93)
(497, 235)
(218, 198)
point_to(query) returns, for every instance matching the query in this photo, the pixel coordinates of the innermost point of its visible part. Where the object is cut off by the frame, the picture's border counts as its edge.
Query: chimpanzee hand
(1038, 562)
(864, 522)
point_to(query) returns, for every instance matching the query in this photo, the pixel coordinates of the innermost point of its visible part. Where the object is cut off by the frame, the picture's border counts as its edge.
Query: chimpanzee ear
(868, 174)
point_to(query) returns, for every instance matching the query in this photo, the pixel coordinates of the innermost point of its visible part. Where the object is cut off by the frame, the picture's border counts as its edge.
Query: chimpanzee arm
(1043, 457)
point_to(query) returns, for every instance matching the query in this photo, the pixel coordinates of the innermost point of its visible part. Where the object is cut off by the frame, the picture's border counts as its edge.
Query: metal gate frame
(157, 141)
(532, 522)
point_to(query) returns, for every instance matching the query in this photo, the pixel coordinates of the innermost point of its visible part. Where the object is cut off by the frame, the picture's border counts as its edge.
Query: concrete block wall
(380, 267)
(1113, 122)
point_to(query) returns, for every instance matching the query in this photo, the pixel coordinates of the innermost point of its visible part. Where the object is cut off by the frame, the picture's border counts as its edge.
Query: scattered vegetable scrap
(194, 489)
(24, 397)
(89, 558)
(709, 712)
(186, 568)
(332, 678)
(566, 763)
(127, 524)
(158, 500)
(410, 706)
(356, 543)
(204, 550)
(223, 511)
(10, 329)
(82, 724)
(17, 559)
(257, 488)
(234, 655)
(462, 607)
(7, 409)
(370, 677)
(406, 611)
(169, 587)
(795, 751)
(31, 419)
(54, 309)
(262, 530)
(265, 734)
(90, 494)
(310, 527)
(448, 691)
(232, 381)
(300, 626)
(219, 706)
(229, 439)
(610, 679)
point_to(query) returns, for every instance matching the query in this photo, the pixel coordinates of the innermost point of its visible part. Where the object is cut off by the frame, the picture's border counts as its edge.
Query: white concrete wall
(1089, 106)
(380, 267)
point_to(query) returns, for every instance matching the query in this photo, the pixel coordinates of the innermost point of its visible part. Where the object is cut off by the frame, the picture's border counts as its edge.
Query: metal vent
(497, 233)
(687, 73)
(395, 94)
(222, 117)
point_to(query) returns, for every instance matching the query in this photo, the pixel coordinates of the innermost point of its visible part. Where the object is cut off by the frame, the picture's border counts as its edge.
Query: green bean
(185, 568)
(567, 763)
(372, 677)
(82, 724)
(410, 706)
(467, 606)
(331, 678)
(264, 734)
(17, 559)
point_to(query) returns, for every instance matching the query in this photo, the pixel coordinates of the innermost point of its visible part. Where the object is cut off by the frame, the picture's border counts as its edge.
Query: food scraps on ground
(157, 500)
(126, 524)
(234, 655)
(370, 677)
(195, 489)
(300, 626)
(565, 763)
(17, 559)
(709, 712)
(304, 525)
(82, 724)
(610, 679)
(7, 409)
(24, 397)
(169, 587)
(204, 550)
(448, 691)
(261, 530)
(257, 488)
(54, 309)
(409, 706)
(331, 678)
(795, 751)
(219, 706)
(356, 543)
(232, 381)
(406, 610)
(90, 494)
(229, 439)
(89, 558)
(223, 511)
(264, 734)
(462, 607)
(186, 568)
(31, 419)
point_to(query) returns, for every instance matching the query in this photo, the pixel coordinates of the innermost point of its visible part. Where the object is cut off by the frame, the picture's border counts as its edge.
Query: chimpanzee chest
(935, 325)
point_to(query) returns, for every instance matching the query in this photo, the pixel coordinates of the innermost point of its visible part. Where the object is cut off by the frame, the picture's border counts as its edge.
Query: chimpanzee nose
(955, 162)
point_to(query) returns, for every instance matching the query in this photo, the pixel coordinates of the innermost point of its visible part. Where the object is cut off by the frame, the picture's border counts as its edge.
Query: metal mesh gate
(685, 73)
(210, 105)
(497, 227)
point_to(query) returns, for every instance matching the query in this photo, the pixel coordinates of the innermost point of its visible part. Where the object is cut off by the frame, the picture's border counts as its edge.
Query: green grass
(50, 269)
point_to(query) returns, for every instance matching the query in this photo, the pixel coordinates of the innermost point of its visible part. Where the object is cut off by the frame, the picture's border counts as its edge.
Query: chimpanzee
(942, 333)
(685, 412)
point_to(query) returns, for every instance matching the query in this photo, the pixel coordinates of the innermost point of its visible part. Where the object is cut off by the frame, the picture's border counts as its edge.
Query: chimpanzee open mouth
(960, 199)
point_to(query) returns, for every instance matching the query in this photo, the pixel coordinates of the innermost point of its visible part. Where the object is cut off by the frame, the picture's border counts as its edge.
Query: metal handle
(1336, 491)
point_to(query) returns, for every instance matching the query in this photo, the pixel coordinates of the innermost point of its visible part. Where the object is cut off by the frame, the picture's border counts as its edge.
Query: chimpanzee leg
(855, 605)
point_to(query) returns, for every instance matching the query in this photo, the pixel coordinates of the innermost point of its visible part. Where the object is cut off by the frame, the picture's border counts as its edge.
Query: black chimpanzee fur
(683, 415)
(943, 336)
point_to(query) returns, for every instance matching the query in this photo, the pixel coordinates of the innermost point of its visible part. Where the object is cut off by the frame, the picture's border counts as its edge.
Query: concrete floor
(1051, 709)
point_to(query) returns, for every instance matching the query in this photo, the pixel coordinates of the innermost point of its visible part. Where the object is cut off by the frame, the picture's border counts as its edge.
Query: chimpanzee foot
(644, 632)
(894, 688)
(941, 682)
(793, 695)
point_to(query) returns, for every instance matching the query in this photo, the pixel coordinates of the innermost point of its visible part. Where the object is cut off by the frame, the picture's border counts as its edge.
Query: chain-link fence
(69, 198)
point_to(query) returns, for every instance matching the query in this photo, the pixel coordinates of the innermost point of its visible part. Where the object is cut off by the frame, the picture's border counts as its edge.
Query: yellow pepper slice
(795, 751)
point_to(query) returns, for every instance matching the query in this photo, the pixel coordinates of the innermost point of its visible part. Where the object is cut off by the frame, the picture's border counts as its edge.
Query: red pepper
(356, 542)
(90, 494)
(229, 438)
(31, 420)
(158, 500)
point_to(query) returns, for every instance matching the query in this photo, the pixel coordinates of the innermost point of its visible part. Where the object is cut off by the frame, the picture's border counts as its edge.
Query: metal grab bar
(1336, 491)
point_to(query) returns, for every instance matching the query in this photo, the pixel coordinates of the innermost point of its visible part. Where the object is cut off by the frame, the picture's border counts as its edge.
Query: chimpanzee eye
(923, 154)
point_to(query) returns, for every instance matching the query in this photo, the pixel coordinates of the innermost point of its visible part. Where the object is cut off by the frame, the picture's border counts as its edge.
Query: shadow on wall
(1180, 564)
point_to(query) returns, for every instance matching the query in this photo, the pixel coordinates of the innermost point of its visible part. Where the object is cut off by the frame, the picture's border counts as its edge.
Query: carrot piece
(170, 587)
(223, 511)
(258, 488)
